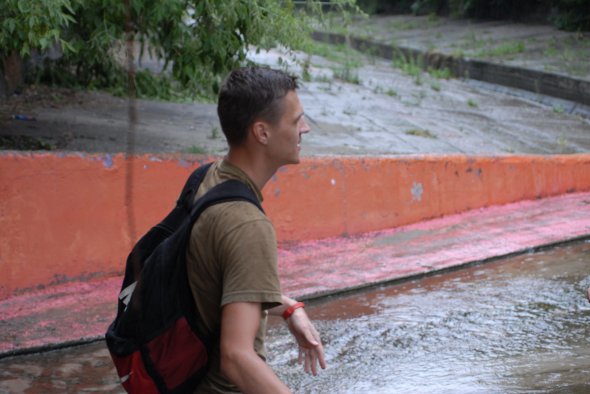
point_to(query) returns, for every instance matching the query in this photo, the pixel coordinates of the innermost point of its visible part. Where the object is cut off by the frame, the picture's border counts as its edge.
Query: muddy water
(517, 325)
(513, 326)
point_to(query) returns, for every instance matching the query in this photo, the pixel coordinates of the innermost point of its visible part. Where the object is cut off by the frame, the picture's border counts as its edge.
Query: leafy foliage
(33, 24)
(565, 14)
(200, 40)
(572, 15)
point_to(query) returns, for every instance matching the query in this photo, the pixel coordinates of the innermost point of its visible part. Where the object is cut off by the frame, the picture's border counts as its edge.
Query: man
(232, 257)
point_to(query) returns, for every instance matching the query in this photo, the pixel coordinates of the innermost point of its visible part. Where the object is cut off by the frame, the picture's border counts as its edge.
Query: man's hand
(311, 351)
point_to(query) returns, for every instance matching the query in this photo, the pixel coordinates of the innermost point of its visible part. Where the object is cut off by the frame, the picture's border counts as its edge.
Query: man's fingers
(321, 358)
(314, 363)
(310, 338)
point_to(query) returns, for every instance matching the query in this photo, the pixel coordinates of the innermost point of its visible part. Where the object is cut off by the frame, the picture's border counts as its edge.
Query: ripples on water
(516, 325)
(513, 326)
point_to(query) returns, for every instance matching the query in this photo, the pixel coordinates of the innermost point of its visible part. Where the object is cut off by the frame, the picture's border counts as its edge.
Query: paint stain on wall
(108, 161)
(417, 191)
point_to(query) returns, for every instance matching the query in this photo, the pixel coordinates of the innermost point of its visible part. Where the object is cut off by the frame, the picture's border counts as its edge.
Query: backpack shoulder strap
(149, 241)
(185, 200)
(191, 186)
(232, 190)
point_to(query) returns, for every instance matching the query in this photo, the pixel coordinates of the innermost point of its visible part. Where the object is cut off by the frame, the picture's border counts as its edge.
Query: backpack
(156, 341)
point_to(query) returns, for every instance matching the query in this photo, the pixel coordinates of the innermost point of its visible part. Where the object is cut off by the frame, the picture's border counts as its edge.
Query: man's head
(250, 94)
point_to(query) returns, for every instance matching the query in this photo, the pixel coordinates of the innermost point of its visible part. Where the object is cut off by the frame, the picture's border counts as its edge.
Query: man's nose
(304, 127)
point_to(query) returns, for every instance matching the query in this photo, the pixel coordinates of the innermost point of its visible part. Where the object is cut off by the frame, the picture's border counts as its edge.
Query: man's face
(284, 141)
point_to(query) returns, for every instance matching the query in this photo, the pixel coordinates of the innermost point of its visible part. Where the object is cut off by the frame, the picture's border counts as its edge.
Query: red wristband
(289, 311)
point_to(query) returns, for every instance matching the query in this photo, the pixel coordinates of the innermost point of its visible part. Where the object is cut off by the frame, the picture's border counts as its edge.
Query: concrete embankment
(68, 222)
(75, 217)
(537, 58)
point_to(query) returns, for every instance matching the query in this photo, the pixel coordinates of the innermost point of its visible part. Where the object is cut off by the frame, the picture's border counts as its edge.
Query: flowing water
(518, 325)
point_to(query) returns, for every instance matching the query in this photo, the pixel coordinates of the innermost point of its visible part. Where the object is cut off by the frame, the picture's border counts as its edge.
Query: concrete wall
(72, 217)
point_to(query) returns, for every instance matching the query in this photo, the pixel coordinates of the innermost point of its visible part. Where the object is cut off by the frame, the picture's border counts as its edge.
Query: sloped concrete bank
(539, 82)
(74, 217)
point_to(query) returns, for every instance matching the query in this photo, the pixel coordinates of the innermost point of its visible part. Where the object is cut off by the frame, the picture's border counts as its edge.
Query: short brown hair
(248, 94)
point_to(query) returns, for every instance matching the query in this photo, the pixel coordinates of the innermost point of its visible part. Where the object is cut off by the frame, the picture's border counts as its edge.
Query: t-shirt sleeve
(248, 256)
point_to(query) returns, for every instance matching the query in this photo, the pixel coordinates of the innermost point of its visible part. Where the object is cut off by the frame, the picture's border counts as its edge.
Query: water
(517, 325)
(512, 326)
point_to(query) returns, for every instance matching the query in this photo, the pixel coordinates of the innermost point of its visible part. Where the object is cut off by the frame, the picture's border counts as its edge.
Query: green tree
(33, 24)
(200, 39)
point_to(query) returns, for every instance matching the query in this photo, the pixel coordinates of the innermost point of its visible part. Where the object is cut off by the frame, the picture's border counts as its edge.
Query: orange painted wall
(66, 217)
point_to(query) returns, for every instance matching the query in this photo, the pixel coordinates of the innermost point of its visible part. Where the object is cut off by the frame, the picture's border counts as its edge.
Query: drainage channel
(515, 325)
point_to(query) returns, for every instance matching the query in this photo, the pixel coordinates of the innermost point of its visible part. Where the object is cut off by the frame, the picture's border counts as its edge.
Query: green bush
(572, 15)
(565, 14)
(201, 39)
(33, 24)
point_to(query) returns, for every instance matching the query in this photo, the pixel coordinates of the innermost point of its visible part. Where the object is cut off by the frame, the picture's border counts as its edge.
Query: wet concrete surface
(517, 325)
(357, 104)
(387, 112)
(535, 46)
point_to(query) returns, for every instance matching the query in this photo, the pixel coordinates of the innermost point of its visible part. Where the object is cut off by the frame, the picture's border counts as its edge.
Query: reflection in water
(512, 326)
(517, 325)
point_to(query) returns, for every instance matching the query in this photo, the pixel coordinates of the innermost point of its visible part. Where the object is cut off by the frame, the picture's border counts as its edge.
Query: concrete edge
(539, 82)
(316, 296)
(437, 271)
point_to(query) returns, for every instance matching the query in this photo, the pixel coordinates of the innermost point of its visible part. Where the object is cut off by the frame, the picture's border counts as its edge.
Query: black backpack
(156, 341)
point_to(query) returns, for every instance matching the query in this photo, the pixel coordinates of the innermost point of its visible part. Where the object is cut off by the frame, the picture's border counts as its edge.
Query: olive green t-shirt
(232, 257)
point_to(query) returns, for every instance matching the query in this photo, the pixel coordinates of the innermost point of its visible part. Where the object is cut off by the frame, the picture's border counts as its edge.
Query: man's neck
(255, 167)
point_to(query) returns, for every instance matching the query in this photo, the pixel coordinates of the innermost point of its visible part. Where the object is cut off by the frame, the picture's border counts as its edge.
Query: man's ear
(261, 132)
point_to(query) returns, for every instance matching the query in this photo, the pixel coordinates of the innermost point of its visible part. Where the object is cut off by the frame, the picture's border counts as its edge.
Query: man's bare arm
(311, 350)
(239, 362)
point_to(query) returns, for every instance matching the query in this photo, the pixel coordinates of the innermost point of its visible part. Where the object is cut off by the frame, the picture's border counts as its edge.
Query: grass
(403, 25)
(562, 143)
(337, 53)
(214, 133)
(420, 133)
(348, 61)
(440, 73)
(472, 103)
(471, 41)
(347, 74)
(432, 20)
(195, 149)
(349, 111)
(390, 92)
(323, 78)
(505, 49)
(410, 66)
(558, 109)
